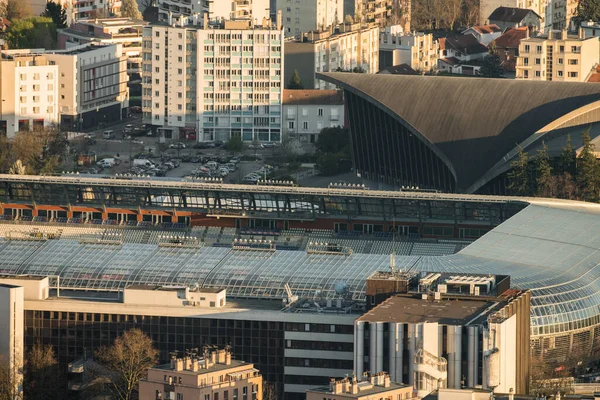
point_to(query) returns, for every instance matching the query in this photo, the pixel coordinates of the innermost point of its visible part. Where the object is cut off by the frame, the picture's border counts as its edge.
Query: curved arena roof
(474, 124)
(550, 247)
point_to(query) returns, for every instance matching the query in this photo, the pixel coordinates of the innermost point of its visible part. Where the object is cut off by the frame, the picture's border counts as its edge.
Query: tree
(10, 380)
(348, 19)
(17, 168)
(34, 32)
(17, 9)
(518, 177)
(587, 10)
(235, 144)
(129, 9)
(126, 361)
(57, 13)
(491, 65)
(269, 391)
(333, 140)
(566, 162)
(295, 82)
(544, 172)
(588, 170)
(43, 376)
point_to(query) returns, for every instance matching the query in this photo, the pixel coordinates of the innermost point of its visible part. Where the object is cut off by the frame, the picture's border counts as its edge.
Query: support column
(399, 352)
(372, 346)
(473, 356)
(458, 356)
(379, 357)
(359, 348)
(451, 345)
(393, 342)
(411, 353)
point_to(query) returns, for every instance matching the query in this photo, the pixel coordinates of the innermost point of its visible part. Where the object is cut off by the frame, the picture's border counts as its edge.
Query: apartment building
(29, 91)
(440, 329)
(196, 374)
(367, 387)
(487, 8)
(219, 10)
(374, 11)
(560, 13)
(557, 56)
(345, 47)
(310, 15)
(416, 49)
(124, 31)
(219, 80)
(307, 112)
(84, 9)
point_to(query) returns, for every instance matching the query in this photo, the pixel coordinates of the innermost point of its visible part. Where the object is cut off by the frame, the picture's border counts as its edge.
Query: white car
(224, 171)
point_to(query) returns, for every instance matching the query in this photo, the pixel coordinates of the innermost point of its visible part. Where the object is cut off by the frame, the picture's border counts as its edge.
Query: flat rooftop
(374, 390)
(216, 367)
(23, 277)
(448, 311)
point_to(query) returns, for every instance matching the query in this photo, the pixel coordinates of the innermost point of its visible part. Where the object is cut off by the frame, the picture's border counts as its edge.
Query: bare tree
(43, 376)
(269, 391)
(126, 361)
(548, 378)
(16, 9)
(17, 168)
(10, 380)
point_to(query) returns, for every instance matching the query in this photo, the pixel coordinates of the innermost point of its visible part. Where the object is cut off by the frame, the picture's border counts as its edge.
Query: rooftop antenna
(393, 264)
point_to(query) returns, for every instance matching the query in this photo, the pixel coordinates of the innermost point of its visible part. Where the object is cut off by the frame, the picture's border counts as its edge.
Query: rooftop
(313, 97)
(112, 22)
(364, 389)
(402, 69)
(466, 44)
(214, 368)
(511, 38)
(510, 14)
(486, 29)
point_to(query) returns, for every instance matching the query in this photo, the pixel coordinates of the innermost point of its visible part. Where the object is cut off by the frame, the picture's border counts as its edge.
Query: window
(573, 61)
(572, 74)
(537, 73)
(574, 49)
(526, 75)
(305, 125)
(23, 110)
(179, 71)
(179, 119)
(290, 124)
(179, 396)
(156, 58)
(50, 86)
(320, 112)
(526, 49)
(50, 75)
(23, 77)
(179, 35)
(179, 107)
(36, 76)
(179, 95)
(180, 59)
(156, 69)
(179, 47)
(559, 73)
(36, 110)
(562, 49)
(538, 49)
(156, 105)
(179, 83)
(525, 60)
(537, 61)
(560, 61)
(62, 85)
(157, 34)
(305, 112)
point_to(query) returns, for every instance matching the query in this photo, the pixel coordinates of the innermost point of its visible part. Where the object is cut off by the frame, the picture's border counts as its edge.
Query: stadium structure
(96, 238)
(456, 134)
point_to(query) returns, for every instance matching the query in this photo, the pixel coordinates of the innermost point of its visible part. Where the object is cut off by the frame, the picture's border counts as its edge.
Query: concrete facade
(11, 333)
(374, 11)
(486, 8)
(346, 47)
(365, 387)
(220, 82)
(558, 56)
(310, 15)
(417, 49)
(254, 10)
(560, 13)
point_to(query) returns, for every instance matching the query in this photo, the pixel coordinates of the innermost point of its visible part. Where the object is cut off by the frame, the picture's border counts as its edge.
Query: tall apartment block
(218, 10)
(374, 11)
(208, 375)
(558, 56)
(310, 15)
(219, 80)
(346, 47)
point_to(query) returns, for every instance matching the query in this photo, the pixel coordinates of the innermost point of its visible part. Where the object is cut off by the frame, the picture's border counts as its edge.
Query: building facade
(507, 48)
(310, 15)
(220, 10)
(343, 48)
(487, 7)
(220, 82)
(208, 375)
(557, 56)
(85, 9)
(440, 328)
(124, 31)
(307, 112)
(374, 11)
(511, 17)
(560, 13)
(12, 351)
(29, 92)
(416, 49)
(365, 387)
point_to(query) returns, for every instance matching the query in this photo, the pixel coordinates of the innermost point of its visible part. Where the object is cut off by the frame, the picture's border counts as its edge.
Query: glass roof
(555, 252)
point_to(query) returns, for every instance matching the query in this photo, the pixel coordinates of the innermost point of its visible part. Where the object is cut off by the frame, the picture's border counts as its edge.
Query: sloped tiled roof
(466, 44)
(486, 29)
(402, 69)
(510, 14)
(511, 38)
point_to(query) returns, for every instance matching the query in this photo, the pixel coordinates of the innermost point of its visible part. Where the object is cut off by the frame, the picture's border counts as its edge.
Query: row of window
(560, 61)
(538, 49)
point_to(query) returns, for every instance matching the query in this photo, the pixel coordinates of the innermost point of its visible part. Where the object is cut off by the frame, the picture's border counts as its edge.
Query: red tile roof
(595, 76)
(484, 29)
(511, 38)
(313, 97)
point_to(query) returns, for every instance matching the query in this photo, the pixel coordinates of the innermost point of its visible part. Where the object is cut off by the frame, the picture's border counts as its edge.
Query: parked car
(128, 128)
(135, 109)
(196, 159)
(177, 145)
(235, 160)
(269, 145)
(176, 162)
(218, 143)
(256, 146)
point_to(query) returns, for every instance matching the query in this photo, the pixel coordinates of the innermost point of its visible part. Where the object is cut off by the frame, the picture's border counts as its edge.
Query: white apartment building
(307, 112)
(310, 15)
(29, 92)
(342, 48)
(218, 10)
(558, 56)
(80, 87)
(220, 80)
(84, 9)
(560, 13)
(417, 49)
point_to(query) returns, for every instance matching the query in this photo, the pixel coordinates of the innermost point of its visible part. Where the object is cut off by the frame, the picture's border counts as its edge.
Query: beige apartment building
(345, 47)
(377, 386)
(374, 11)
(557, 56)
(212, 375)
(417, 49)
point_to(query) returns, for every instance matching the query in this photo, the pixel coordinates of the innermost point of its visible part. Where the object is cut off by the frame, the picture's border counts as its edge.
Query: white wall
(34, 289)
(36, 94)
(12, 328)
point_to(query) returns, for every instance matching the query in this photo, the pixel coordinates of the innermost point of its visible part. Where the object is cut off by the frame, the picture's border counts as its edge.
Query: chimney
(354, 386)
(179, 364)
(213, 357)
(205, 21)
(372, 379)
(581, 33)
(279, 20)
(188, 363)
(565, 35)
(549, 34)
(558, 397)
(221, 355)
(195, 365)
(386, 381)
(195, 19)
(173, 362)
(511, 394)
(228, 358)
(346, 384)
(332, 385)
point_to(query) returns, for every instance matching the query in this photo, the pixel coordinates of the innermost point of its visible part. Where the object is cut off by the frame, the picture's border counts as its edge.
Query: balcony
(436, 367)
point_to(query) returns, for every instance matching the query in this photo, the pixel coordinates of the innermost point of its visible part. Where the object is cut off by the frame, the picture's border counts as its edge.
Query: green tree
(57, 13)
(333, 140)
(566, 162)
(491, 66)
(544, 173)
(235, 144)
(295, 82)
(34, 32)
(588, 170)
(518, 177)
(587, 10)
(43, 378)
(129, 9)
(126, 361)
